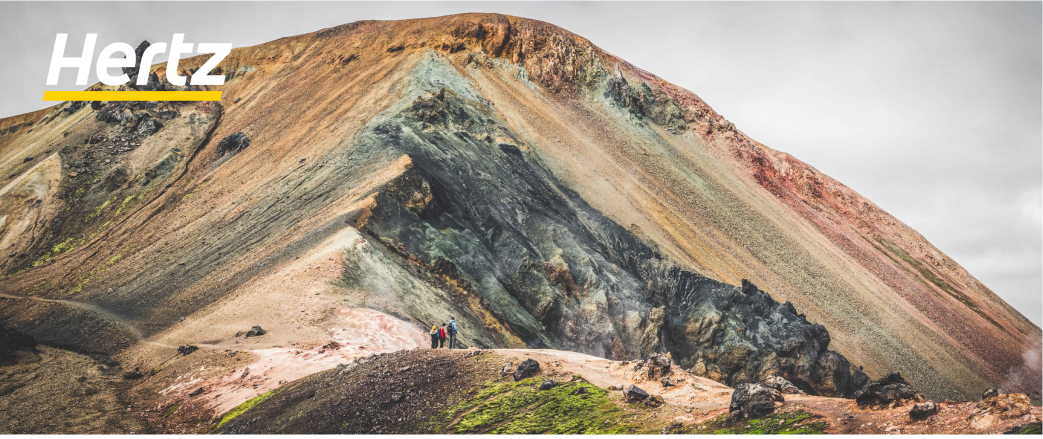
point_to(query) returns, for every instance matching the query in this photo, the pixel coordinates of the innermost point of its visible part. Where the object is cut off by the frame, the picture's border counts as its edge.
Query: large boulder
(998, 407)
(527, 368)
(888, 392)
(658, 366)
(148, 126)
(633, 393)
(782, 385)
(233, 143)
(256, 331)
(751, 401)
(923, 411)
(717, 340)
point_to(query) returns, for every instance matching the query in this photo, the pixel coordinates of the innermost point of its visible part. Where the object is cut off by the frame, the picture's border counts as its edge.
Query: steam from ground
(1027, 377)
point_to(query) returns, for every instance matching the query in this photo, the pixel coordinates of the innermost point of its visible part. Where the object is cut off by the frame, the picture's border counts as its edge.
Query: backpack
(452, 327)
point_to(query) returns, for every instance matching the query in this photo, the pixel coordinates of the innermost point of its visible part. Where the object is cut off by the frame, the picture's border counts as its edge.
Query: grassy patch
(795, 422)
(171, 410)
(62, 247)
(244, 407)
(506, 407)
(1033, 428)
(94, 274)
(99, 209)
(125, 202)
(193, 191)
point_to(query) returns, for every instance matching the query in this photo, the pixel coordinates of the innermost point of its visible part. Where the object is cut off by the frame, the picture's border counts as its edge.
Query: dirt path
(118, 319)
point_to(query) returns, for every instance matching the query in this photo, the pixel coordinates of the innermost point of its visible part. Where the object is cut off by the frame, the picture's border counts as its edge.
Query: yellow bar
(132, 96)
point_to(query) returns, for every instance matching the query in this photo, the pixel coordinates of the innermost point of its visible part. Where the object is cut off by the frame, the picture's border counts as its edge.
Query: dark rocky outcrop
(923, 411)
(657, 367)
(548, 384)
(633, 393)
(186, 350)
(989, 393)
(527, 368)
(132, 72)
(233, 143)
(890, 391)
(148, 126)
(255, 331)
(560, 274)
(1004, 406)
(782, 385)
(646, 101)
(751, 401)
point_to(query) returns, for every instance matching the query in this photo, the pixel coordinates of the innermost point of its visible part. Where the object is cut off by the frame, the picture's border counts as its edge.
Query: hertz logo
(178, 47)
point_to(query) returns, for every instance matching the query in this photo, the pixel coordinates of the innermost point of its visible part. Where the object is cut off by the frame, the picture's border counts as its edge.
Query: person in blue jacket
(452, 332)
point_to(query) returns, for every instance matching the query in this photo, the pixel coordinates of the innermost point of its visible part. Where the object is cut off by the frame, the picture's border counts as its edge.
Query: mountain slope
(493, 168)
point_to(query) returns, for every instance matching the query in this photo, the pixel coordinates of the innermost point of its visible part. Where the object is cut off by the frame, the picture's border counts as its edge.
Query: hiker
(452, 332)
(442, 336)
(434, 337)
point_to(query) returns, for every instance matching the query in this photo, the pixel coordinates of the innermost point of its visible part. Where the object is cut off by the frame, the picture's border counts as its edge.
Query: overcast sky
(934, 111)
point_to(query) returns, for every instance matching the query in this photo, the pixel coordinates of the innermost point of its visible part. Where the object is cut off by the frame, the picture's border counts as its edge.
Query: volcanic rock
(923, 411)
(526, 369)
(782, 385)
(132, 72)
(633, 393)
(890, 391)
(233, 143)
(657, 366)
(1006, 406)
(255, 331)
(148, 127)
(990, 393)
(186, 350)
(548, 384)
(751, 401)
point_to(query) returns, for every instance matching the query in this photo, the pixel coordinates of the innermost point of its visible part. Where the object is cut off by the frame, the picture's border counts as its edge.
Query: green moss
(39, 287)
(99, 209)
(504, 407)
(171, 410)
(1033, 428)
(94, 274)
(795, 422)
(193, 191)
(244, 407)
(924, 271)
(126, 201)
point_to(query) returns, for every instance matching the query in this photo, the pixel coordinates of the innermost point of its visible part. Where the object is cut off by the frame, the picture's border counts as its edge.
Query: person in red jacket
(442, 334)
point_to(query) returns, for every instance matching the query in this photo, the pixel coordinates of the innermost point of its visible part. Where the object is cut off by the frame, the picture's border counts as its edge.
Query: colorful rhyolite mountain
(365, 182)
